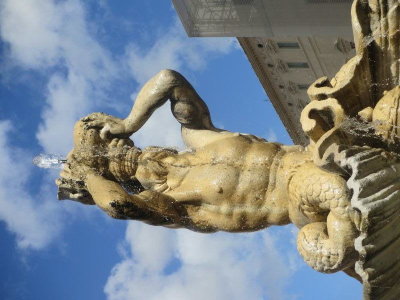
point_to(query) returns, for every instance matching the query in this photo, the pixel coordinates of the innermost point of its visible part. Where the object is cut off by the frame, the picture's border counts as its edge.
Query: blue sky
(64, 59)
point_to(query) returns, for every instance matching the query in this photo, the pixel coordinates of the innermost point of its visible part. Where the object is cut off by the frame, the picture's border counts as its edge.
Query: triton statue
(227, 181)
(342, 190)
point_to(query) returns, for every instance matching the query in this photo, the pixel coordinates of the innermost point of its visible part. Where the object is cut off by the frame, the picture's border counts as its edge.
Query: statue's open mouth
(69, 189)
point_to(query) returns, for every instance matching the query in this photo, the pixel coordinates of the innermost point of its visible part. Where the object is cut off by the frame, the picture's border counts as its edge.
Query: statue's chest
(228, 173)
(220, 182)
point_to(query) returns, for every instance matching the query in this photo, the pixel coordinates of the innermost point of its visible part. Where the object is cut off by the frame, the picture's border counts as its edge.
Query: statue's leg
(148, 206)
(327, 243)
(186, 105)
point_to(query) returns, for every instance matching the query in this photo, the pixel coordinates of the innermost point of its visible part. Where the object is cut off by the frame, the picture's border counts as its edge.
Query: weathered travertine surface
(342, 191)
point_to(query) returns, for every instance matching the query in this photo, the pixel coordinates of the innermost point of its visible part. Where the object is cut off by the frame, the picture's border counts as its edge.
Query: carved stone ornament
(353, 123)
(342, 191)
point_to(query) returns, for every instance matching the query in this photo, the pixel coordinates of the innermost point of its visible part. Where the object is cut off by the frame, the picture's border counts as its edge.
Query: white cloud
(160, 130)
(34, 223)
(53, 36)
(68, 101)
(174, 50)
(217, 266)
(30, 28)
(45, 33)
(271, 136)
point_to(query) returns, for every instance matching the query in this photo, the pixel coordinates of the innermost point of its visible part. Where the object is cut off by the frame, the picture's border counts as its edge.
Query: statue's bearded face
(90, 151)
(71, 186)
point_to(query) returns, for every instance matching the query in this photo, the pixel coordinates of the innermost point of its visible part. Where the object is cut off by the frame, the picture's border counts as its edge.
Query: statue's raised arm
(186, 105)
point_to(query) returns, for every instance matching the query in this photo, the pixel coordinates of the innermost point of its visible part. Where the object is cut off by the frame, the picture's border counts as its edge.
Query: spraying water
(49, 161)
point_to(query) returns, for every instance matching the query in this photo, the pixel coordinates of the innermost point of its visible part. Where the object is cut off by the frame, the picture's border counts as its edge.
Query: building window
(298, 65)
(303, 87)
(288, 45)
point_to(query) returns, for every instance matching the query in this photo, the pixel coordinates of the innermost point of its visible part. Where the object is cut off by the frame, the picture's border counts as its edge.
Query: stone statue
(226, 181)
(342, 190)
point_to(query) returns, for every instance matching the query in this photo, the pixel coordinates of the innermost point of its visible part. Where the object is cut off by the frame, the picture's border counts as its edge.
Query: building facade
(289, 43)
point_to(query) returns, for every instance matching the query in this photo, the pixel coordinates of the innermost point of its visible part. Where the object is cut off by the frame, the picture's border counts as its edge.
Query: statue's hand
(117, 149)
(120, 143)
(109, 126)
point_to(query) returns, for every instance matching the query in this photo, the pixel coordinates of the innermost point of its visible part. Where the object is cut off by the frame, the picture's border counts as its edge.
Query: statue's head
(89, 150)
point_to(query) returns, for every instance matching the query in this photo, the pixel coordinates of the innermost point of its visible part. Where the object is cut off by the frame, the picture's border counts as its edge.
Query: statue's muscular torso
(235, 180)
